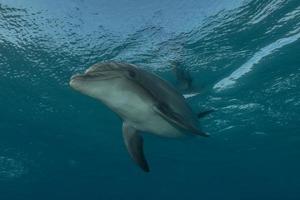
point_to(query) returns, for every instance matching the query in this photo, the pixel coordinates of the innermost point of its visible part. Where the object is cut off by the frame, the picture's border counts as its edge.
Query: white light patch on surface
(247, 67)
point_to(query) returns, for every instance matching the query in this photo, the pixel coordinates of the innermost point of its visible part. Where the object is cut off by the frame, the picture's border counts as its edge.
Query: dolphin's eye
(131, 73)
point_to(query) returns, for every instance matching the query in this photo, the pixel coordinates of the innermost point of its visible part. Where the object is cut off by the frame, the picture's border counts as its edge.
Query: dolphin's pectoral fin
(204, 113)
(166, 112)
(134, 144)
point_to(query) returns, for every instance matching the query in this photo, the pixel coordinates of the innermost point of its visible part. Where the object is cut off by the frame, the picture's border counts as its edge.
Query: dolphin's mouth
(84, 76)
(99, 76)
(74, 80)
(98, 72)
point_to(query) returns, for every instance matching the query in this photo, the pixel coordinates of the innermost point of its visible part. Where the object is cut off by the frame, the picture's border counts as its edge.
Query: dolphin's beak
(74, 79)
(78, 79)
(106, 74)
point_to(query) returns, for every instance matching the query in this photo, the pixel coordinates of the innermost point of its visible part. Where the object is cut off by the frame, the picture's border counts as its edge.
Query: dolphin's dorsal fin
(134, 144)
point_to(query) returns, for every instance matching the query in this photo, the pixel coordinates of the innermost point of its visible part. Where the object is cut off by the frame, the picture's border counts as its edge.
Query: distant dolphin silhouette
(144, 101)
(183, 77)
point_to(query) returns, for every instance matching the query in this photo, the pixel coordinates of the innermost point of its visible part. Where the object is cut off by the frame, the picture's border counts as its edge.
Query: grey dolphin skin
(145, 103)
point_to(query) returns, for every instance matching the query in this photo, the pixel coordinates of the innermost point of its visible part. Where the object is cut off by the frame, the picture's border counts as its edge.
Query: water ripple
(231, 80)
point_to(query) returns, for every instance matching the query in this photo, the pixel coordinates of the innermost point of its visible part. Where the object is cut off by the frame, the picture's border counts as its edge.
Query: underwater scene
(147, 72)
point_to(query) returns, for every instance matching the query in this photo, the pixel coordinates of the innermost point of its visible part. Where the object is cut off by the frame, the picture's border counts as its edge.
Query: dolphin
(144, 101)
(183, 77)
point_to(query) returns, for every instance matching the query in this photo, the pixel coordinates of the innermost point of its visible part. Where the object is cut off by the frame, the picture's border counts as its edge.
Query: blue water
(243, 56)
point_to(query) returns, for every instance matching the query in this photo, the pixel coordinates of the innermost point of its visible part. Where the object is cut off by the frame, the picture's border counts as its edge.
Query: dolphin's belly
(137, 110)
(159, 126)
